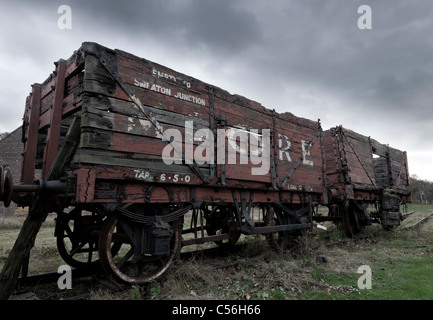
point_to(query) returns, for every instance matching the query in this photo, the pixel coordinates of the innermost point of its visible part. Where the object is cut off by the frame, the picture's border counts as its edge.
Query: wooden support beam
(38, 212)
(28, 168)
(53, 137)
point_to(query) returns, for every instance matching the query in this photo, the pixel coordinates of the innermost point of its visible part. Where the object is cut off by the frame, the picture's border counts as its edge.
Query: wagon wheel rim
(126, 266)
(349, 219)
(79, 248)
(230, 228)
(278, 241)
(6, 185)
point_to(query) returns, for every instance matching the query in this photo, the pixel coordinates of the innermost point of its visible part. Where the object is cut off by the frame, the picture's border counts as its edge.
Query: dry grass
(323, 265)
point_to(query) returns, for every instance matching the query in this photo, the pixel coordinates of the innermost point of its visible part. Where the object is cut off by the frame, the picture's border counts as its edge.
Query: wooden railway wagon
(139, 161)
(361, 171)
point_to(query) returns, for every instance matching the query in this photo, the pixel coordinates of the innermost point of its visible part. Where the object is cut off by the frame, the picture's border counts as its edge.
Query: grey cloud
(217, 26)
(303, 56)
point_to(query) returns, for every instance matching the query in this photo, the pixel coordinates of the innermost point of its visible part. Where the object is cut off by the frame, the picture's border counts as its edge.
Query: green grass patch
(418, 206)
(398, 279)
(402, 279)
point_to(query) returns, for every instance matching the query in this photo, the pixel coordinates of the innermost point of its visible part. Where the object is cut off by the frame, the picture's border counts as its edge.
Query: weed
(400, 262)
(135, 293)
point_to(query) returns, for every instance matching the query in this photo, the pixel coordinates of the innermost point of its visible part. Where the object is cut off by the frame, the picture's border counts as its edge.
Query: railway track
(422, 220)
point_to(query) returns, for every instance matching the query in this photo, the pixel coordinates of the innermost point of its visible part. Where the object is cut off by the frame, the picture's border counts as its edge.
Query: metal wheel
(350, 219)
(277, 241)
(77, 234)
(6, 185)
(222, 220)
(135, 263)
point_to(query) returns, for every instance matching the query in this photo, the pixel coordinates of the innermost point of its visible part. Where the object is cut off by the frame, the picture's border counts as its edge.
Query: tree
(421, 189)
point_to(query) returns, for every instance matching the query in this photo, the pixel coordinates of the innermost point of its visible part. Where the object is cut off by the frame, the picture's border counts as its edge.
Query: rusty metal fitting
(7, 188)
(6, 185)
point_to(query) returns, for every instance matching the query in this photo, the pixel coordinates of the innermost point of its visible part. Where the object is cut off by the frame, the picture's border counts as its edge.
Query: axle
(8, 188)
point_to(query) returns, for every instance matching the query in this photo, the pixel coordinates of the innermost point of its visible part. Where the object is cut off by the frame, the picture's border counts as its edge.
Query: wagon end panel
(333, 163)
(49, 111)
(349, 165)
(359, 157)
(391, 166)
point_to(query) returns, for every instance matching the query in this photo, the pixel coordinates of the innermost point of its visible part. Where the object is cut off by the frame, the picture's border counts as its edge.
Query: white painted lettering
(167, 91)
(284, 151)
(306, 153)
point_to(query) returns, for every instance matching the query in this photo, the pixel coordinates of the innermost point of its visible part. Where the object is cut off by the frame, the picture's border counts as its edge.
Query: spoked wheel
(6, 185)
(222, 220)
(350, 219)
(142, 257)
(77, 234)
(278, 241)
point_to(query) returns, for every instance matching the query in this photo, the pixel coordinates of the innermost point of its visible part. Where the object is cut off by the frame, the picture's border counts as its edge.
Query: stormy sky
(308, 57)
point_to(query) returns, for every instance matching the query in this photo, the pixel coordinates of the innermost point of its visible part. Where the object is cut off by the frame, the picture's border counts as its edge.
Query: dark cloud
(304, 56)
(220, 26)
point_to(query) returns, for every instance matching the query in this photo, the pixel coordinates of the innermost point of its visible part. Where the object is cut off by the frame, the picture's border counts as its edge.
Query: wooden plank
(28, 166)
(117, 160)
(53, 138)
(48, 86)
(378, 148)
(93, 118)
(127, 108)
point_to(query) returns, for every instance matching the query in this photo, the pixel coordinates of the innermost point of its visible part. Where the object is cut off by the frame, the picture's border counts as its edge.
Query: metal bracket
(244, 209)
(274, 163)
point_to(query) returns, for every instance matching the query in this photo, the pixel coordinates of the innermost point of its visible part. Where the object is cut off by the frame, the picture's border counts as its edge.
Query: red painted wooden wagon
(139, 160)
(361, 171)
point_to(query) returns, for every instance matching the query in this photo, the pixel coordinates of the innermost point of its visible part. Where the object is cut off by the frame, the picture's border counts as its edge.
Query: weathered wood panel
(354, 159)
(174, 98)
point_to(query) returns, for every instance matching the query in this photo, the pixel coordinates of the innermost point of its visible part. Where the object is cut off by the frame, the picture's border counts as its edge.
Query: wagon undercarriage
(136, 242)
